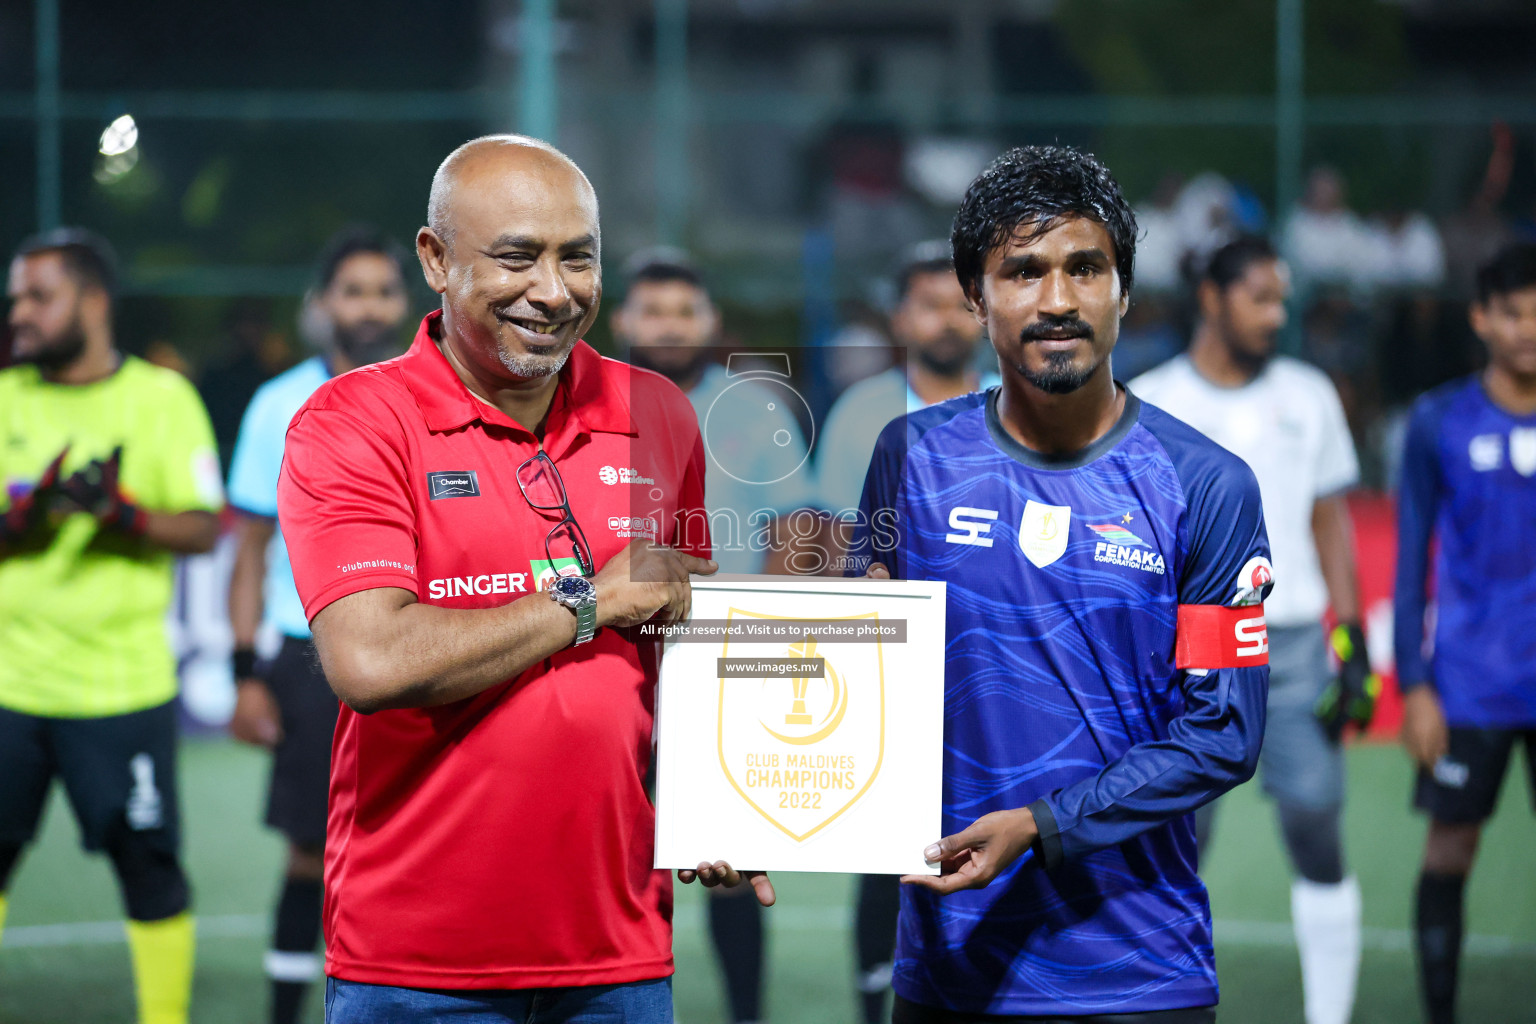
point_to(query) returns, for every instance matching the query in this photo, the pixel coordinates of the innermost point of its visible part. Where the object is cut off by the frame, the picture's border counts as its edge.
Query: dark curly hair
(349, 242)
(1033, 188)
(88, 258)
(1227, 265)
(1512, 269)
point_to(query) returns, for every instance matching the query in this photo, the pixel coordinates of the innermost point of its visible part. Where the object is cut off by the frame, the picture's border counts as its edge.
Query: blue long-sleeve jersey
(1065, 578)
(1469, 485)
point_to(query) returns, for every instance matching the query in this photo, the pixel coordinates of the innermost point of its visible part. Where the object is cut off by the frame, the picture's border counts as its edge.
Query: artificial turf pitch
(63, 960)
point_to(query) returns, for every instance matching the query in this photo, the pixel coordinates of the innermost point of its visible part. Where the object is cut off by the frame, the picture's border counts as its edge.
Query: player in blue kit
(1469, 483)
(1106, 668)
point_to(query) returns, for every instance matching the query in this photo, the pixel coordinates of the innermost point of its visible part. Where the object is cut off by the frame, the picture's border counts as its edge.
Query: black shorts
(1464, 787)
(908, 1012)
(118, 771)
(301, 765)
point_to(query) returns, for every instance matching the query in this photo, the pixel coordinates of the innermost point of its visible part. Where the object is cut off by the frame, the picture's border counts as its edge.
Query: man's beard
(55, 354)
(1060, 375)
(1251, 362)
(528, 366)
(366, 341)
(672, 359)
(949, 356)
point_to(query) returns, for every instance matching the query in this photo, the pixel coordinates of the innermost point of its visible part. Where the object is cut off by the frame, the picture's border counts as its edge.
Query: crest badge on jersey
(803, 749)
(1522, 450)
(1043, 532)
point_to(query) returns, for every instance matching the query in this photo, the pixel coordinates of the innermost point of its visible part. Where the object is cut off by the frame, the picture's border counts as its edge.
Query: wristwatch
(579, 595)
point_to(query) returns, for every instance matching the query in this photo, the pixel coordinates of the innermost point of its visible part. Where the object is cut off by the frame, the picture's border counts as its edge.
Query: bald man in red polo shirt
(474, 527)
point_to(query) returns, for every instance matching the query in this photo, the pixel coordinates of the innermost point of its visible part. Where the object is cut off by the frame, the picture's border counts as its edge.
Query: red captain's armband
(1216, 636)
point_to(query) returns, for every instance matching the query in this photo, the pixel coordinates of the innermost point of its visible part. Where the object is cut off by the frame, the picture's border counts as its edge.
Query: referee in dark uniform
(285, 703)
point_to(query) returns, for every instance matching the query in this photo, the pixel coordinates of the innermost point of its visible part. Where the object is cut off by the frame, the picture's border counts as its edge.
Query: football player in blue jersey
(1106, 663)
(1469, 486)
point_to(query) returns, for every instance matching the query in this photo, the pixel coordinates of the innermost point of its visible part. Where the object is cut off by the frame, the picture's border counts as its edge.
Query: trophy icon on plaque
(806, 741)
(797, 713)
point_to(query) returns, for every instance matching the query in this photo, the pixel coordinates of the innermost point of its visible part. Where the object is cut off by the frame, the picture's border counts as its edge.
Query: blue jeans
(637, 1002)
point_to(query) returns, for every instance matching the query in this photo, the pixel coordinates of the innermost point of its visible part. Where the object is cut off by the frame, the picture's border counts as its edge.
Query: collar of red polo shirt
(583, 393)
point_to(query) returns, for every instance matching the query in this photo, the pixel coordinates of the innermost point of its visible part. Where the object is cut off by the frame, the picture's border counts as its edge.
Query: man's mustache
(1057, 327)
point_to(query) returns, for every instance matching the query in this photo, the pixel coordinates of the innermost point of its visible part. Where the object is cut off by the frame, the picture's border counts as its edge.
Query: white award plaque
(801, 725)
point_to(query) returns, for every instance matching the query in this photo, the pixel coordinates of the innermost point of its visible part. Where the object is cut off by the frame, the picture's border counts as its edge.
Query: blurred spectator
(163, 353)
(860, 349)
(868, 206)
(1248, 213)
(1408, 251)
(1325, 242)
(1160, 251)
(1476, 234)
(1184, 223)
(255, 353)
(1206, 217)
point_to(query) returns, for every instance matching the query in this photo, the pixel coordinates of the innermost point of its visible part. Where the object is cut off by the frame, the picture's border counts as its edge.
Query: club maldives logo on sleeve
(1117, 545)
(453, 484)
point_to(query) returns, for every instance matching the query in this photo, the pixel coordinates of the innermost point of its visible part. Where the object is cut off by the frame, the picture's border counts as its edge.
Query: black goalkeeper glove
(28, 513)
(1351, 697)
(95, 489)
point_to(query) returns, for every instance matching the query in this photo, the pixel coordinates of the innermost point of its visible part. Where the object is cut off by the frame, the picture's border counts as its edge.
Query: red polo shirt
(504, 841)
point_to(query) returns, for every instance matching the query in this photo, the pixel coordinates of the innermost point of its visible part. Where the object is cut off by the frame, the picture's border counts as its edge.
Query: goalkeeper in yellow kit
(109, 469)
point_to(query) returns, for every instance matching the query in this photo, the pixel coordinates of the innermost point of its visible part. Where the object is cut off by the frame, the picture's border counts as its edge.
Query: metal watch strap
(586, 621)
(584, 607)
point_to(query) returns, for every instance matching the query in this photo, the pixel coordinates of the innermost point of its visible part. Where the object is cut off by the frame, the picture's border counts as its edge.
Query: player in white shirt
(1283, 418)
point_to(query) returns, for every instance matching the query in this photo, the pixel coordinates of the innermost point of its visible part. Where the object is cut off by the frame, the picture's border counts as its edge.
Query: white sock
(1327, 923)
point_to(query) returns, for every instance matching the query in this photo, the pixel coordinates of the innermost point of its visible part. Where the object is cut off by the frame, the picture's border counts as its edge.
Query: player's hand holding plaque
(801, 726)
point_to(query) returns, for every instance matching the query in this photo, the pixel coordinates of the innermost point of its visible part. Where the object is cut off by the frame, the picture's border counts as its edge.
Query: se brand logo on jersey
(623, 475)
(1043, 532)
(972, 525)
(1486, 452)
(453, 484)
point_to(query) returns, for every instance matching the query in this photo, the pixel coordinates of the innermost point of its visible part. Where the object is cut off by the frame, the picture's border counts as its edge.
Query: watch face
(573, 586)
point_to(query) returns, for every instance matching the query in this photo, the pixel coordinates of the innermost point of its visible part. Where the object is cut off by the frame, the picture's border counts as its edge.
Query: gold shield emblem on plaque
(801, 749)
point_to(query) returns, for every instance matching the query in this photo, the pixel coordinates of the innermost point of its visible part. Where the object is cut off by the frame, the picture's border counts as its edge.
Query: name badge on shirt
(453, 484)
